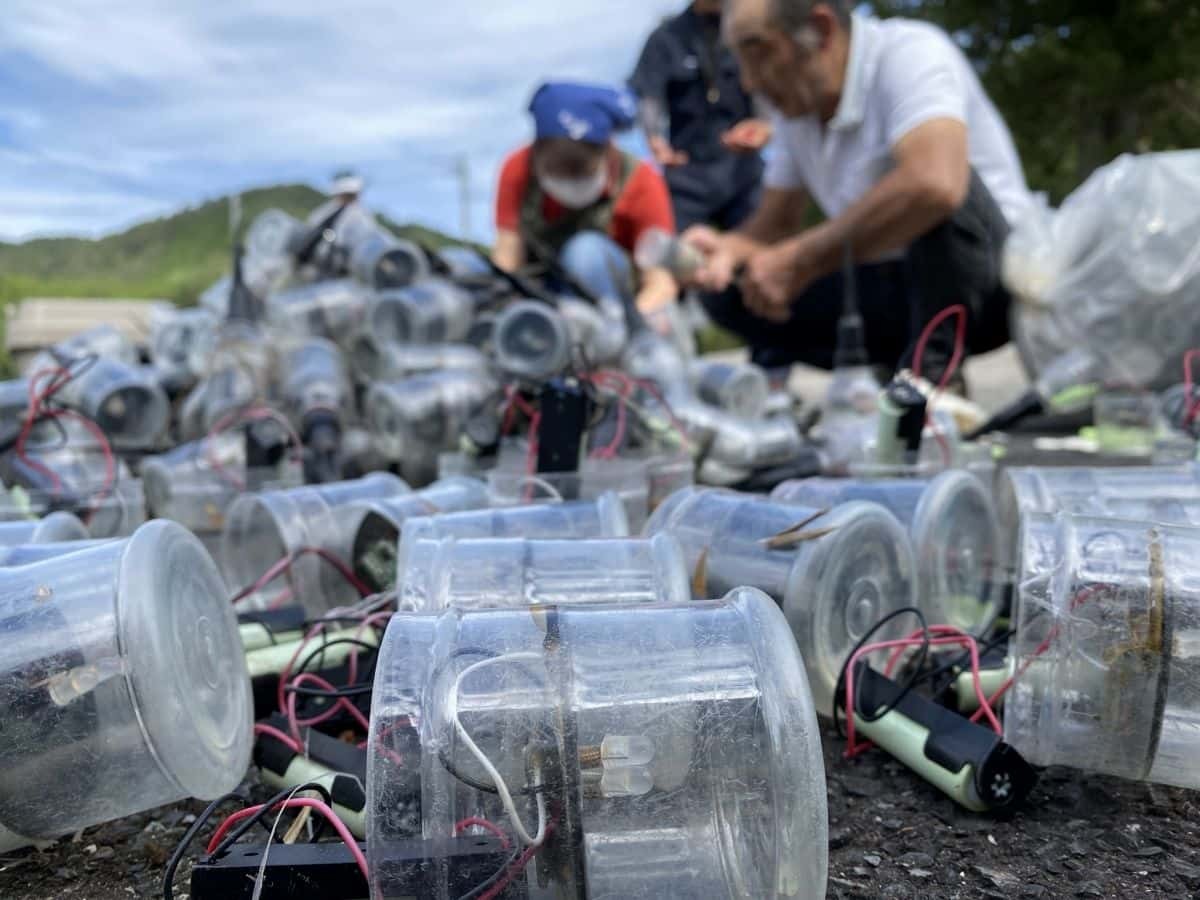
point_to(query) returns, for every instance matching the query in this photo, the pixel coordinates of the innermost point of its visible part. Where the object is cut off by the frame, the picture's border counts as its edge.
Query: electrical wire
(866, 639)
(476, 822)
(501, 786)
(242, 416)
(244, 827)
(168, 882)
(956, 359)
(287, 740)
(285, 565)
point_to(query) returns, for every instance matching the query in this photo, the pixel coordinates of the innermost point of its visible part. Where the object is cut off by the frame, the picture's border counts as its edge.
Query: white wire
(501, 787)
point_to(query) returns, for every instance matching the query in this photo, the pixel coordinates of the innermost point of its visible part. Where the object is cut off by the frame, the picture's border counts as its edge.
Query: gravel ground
(891, 835)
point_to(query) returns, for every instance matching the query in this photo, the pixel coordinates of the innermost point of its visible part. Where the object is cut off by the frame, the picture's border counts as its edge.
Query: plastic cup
(836, 574)
(497, 573)
(54, 528)
(739, 389)
(432, 311)
(261, 529)
(954, 531)
(1107, 651)
(532, 341)
(678, 747)
(123, 683)
(376, 524)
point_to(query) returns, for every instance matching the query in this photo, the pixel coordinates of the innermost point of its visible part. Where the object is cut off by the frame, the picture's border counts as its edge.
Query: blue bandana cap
(582, 112)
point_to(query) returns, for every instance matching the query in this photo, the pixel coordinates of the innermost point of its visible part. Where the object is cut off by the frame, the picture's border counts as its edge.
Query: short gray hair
(792, 15)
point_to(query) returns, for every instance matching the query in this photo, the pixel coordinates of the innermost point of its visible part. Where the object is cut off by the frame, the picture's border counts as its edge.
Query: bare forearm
(897, 211)
(658, 290)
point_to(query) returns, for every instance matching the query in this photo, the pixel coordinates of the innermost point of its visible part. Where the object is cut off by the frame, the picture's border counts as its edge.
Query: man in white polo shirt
(887, 127)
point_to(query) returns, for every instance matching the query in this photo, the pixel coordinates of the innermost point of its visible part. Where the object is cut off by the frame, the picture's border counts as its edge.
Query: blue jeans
(600, 265)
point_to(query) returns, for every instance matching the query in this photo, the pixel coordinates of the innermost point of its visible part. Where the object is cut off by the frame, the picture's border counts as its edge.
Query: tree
(1080, 81)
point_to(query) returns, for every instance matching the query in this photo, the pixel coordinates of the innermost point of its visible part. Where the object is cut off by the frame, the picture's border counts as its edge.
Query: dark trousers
(723, 194)
(956, 262)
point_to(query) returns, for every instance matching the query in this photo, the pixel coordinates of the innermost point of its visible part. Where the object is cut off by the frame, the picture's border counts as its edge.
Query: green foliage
(174, 258)
(1080, 81)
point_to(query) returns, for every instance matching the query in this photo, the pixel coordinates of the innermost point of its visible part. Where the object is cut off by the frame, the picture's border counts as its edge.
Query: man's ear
(823, 24)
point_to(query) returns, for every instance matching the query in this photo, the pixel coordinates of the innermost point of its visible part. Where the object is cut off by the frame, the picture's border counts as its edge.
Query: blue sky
(116, 111)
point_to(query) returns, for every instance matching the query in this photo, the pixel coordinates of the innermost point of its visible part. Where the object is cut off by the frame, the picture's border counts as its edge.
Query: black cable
(496, 876)
(168, 883)
(356, 691)
(232, 838)
(373, 649)
(962, 660)
(839, 688)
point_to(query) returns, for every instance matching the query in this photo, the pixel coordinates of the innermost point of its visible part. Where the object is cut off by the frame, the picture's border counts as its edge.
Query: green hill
(175, 257)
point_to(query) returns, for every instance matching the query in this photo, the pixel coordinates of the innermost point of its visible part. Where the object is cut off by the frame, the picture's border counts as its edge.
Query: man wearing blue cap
(574, 196)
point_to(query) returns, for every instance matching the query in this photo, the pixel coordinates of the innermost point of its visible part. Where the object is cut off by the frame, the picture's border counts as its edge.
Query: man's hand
(666, 155)
(719, 263)
(748, 136)
(773, 279)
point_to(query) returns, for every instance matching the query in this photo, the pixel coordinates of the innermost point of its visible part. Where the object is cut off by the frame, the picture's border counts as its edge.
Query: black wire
(355, 691)
(839, 688)
(373, 649)
(168, 883)
(960, 661)
(499, 873)
(232, 838)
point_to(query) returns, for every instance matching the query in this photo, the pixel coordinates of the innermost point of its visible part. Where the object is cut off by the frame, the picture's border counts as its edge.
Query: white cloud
(176, 101)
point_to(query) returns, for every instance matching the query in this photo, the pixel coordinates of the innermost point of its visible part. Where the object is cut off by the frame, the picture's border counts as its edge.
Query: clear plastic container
(736, 442)
(261, 529)
(499, 573)
(678, 747)
(425, 413)
(629, 479)
(375, 359)
(1127, 422)
(741, 389)
(123, 683)
(376, 524)
(120, 512)
(313, 378)
(603, 517)
(54, 528)
(659, 249)
(1107, 651)
(384, 262)
(124, 400)
(532, 341)
(836, 574)
(335, 309)
(195, 483)
(954, 531)
(433, 311)
(667, 474)
(181, 344)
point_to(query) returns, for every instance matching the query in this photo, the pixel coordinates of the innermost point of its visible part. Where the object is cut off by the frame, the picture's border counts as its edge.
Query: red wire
(288, 561)
(476, 822)
(286, 739)
(239, 417)
(1189, 381)
(295, 724)
(296, 803)
(517, 867)
(956, 359)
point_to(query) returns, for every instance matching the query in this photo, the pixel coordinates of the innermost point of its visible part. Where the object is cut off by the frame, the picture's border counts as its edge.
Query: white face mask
(576, 193)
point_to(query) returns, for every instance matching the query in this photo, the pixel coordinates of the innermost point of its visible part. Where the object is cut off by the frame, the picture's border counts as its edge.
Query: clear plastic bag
(1107, 284)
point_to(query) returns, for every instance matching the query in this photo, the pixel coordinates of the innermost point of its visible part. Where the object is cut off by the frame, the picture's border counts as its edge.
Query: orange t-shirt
(645, 203)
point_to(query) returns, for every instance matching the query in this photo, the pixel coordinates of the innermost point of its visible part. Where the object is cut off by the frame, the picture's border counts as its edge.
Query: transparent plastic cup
(123, 683)
(124, 400)
(335, 309)
(741, 389)
(1107, 651)
(836, 573)
(432, 311)
(196, 483)
(603, 517)
(313, 379)
(677, 745)
(376, 359)
(25, 554)
(628, 478)
(954, 531)
(181, 343)
(384, 262)
(425, 413)
(120, 512)
(532, 341)
(498, 573)
(261, 529)
(376, 524)
(54, 528)
(1168, 494)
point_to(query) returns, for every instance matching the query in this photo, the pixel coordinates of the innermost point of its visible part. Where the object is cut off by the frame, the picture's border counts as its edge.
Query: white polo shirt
(901, 74)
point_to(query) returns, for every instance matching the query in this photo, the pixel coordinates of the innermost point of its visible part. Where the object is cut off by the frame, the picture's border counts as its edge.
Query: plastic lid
(842, 584)
(185, 666)
(956, 537)
(669, 561)
(663, 517)
(59, 526)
